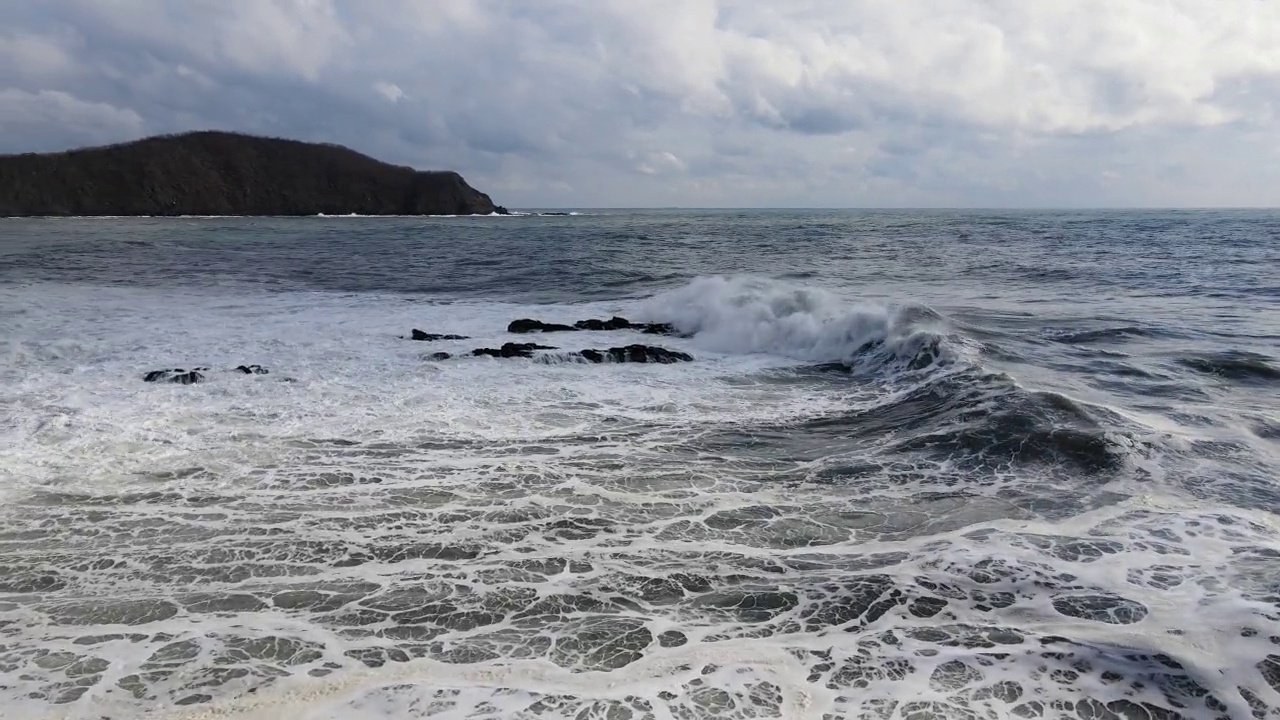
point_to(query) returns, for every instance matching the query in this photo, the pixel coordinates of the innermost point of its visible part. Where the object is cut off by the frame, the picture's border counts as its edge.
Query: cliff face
(217, 173)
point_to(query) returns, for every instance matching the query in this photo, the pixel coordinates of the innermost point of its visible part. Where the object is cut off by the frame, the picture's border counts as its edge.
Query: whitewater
(922, 465)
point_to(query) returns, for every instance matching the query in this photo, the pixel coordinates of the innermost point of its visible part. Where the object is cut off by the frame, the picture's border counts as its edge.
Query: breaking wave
(743, 315)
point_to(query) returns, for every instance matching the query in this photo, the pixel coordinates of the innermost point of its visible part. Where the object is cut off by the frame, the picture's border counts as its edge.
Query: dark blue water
(923, 464)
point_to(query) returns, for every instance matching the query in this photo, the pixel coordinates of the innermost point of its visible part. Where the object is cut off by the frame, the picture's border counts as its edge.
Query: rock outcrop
(627, 354)
(431, 337)
(176, 375)
(220, 173)
(636, 354)
(191, 377)
(510, 350)
(529, 325)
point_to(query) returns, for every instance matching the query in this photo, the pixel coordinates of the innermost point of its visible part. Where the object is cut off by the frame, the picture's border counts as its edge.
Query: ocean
(923, 464)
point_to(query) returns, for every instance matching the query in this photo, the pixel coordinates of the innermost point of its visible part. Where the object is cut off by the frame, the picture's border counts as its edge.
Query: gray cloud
(690, 102)
(45, 116)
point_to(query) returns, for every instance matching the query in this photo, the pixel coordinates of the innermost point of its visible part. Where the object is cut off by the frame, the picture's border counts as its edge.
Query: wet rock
(657, 329)
(613, 323)
(190, 377)
(528, 325)
(620, 323)
(439, 356)
(636, 354)
(430, 337)
(510, 350)
(176, 375)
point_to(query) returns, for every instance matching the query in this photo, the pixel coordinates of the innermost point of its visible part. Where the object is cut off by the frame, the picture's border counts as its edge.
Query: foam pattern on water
(688, 597)
(367, 534)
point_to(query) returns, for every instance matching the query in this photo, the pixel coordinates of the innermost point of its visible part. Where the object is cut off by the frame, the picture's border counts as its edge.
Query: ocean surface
(924, 465)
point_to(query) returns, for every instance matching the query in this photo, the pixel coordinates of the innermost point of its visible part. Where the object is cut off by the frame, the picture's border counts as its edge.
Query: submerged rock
(636, 354)
(191, 377)
(429, 337)
(528, 325)
(510, 350)
(439, 356)
(176, 375)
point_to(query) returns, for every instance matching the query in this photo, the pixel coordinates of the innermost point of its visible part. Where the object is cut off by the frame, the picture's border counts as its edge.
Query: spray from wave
(742, 315)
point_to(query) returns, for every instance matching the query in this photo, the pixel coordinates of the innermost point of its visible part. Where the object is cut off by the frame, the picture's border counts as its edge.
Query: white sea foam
(367, 534)
(926, 667)
(756, 315)
(340, 368)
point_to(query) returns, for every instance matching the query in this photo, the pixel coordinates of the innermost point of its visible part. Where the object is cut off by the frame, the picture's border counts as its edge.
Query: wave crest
(745, 315)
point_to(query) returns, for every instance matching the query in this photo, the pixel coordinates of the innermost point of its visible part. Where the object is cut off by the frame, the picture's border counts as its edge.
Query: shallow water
(925, 464)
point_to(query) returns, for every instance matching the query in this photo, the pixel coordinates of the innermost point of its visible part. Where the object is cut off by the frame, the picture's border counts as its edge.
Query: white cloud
(660, 162)
(735, 102)
(291, 37)
(390, 91)
(37, 115)
(35, 57)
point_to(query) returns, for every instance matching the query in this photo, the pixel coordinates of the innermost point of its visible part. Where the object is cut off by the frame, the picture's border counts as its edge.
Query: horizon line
(517, 211)
(1004, 208)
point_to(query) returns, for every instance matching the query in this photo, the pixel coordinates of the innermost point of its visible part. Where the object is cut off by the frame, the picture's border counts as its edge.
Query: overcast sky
(696, 103)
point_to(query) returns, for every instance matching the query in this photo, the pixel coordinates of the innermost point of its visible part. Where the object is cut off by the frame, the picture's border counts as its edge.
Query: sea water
(924, 465)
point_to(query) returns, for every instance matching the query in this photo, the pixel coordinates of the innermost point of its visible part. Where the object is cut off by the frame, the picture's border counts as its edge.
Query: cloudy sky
(696, 103)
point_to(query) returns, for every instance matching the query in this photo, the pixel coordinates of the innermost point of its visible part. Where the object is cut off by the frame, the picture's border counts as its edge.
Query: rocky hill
(220, 173)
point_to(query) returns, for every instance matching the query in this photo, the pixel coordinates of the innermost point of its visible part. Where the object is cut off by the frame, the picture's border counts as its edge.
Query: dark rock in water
(527, 325)
(429, 337)
(656, 328)
(176, 375)
(510, 350)
(630, 353)
(191, 377)
(636, 354)
(613, 323)
(440, 356)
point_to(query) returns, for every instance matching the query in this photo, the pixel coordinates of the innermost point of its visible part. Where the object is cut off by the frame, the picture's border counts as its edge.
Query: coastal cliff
(220, 173)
